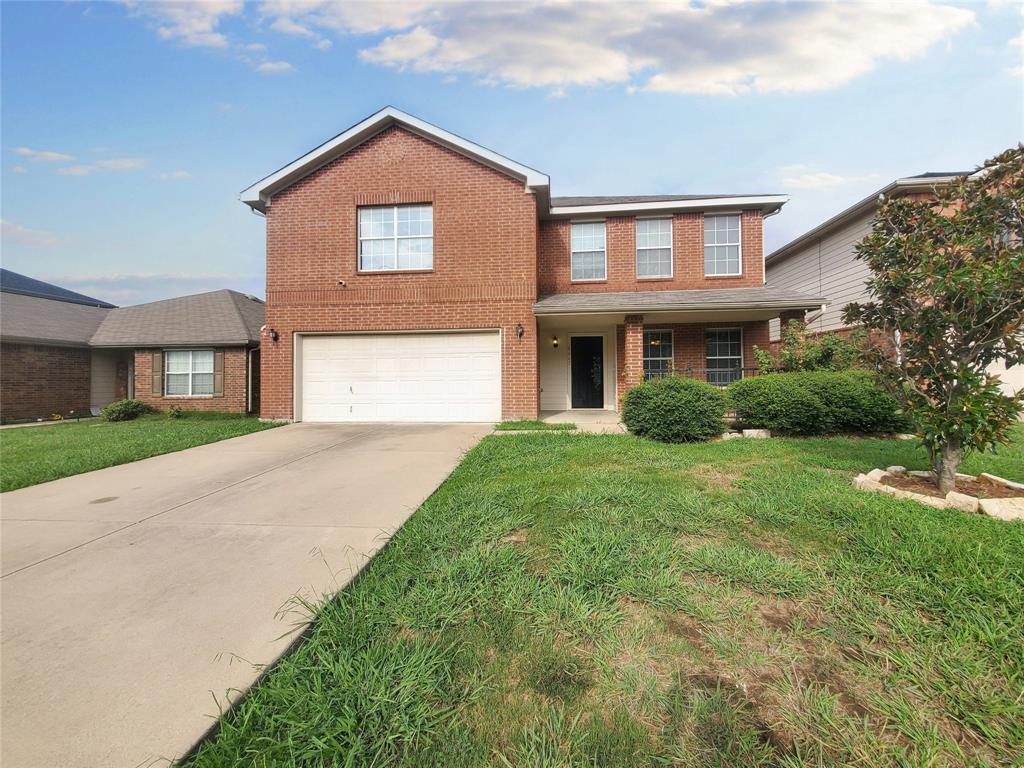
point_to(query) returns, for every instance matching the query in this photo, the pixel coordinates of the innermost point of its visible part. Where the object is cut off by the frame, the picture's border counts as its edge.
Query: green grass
(32, 455)
(532, 426)
(599, 600)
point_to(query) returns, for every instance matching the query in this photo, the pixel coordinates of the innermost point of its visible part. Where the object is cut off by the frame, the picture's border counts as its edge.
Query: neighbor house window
(724, 355)
(188, 372)
(588, 251)
(722, 245)
(654, 247)
(657, 354)
(394, 237)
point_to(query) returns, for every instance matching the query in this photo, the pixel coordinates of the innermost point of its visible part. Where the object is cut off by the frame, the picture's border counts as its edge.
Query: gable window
(653, 248)
(722, 245)
(188, 372)
(724, 355)
(588, 260)
(396, 237)
(657, 354)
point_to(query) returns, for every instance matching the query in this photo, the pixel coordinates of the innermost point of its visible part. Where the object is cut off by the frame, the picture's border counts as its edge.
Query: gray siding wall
(826, 267)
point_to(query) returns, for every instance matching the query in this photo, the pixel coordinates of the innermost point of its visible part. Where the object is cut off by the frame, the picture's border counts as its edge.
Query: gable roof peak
(259, 194)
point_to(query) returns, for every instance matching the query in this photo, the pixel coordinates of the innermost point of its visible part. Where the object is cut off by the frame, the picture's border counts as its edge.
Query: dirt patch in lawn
(517, 536)
(712, 476)
(980, 488)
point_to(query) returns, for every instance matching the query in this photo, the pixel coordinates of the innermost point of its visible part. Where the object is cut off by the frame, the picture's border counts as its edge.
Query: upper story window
(589, 258)
(188, 372)
(722, 245)
(653, 248)
(394, 237)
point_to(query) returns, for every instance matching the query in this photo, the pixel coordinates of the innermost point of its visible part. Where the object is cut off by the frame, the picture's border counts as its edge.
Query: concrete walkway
(132, 596)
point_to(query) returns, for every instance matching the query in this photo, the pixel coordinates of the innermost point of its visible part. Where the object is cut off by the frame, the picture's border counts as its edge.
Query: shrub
(815, 402)
(855, 402)
(675, 410)
(780, 402)
(124, 410)
(801, 350)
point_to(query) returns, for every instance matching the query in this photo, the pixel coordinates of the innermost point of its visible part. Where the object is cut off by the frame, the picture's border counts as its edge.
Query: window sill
(595, 280)
(716, 277)
(394, 271)
(659, 279)
(187, 397)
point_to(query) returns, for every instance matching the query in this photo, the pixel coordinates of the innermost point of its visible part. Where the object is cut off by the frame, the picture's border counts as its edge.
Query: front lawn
(532, 425)
(600, 600)
(31, 455)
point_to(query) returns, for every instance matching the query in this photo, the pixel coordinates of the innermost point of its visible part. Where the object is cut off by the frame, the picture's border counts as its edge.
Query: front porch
(593, 347)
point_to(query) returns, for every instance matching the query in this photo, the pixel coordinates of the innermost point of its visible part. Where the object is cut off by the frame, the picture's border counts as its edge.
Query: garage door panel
(402, 377)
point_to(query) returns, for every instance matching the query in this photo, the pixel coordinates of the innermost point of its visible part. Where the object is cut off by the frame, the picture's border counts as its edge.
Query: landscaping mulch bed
(980, 488)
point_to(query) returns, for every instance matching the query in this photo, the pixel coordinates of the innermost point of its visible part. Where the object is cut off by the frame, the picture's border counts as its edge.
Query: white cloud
(715, 47)
(172, 175)
(188, 22)
(19, 169)
(113, 164)
(802, 177)
(44, 155)
(274, 67)
(16, 233)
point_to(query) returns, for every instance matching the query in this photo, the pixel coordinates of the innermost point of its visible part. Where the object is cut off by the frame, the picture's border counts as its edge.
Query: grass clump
(532, 425)
(599, 600)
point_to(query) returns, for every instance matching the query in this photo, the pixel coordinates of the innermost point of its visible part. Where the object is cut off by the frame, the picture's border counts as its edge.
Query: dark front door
(587, 371)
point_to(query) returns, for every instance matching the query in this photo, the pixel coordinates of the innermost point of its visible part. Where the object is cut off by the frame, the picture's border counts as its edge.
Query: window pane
(176, 362)
(654, 262)
(588, 265)
(653, 233)
(416, 253)
(177, 384)
(396, 237)
(202, 384)
(724, 355)
(202, 361)
(588, 244)
(657, 353)
(722, 245)
(415, 220)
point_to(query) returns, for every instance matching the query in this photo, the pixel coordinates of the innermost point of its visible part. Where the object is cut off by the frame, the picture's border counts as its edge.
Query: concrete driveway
(131, 595)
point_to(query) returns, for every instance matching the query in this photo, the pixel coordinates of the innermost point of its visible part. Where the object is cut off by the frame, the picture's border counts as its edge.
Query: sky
(129, 128)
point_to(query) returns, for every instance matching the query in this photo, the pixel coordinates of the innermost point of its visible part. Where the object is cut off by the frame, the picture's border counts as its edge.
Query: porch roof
(676, 301)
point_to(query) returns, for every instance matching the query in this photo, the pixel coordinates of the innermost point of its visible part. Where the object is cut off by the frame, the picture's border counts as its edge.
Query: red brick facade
(233, 400)
(39, 381)
(484, 264)
(553, 275)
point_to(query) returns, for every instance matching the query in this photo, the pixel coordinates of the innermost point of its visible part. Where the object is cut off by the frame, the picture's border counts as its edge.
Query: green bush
(675, 410)
(780, 402)
(124, 410)
(856, 402)
(815, 402)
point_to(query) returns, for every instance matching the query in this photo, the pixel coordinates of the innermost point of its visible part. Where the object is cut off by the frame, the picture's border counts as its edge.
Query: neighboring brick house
(415, 276)
(45, 361)
(198, 353)
(824, 261)
(68, 354)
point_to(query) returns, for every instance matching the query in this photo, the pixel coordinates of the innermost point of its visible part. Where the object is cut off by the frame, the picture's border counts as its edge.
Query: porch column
(633, 367)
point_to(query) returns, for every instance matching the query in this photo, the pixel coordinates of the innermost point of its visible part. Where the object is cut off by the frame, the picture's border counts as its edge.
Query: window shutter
(157, 369)
(218, 373)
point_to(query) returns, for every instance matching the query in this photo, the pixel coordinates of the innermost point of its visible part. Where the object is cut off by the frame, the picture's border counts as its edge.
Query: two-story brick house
(413, 275)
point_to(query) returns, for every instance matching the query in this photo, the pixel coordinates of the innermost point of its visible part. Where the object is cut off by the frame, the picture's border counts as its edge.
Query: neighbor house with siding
(823, 261)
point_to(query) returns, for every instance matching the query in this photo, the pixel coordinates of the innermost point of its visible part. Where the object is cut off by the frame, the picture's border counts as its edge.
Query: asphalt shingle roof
(222, 317)
(667, 301)
(30, 319)
(13, 282)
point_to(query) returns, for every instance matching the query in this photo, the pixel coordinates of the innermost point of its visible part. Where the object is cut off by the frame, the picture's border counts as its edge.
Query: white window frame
(739, 243)
(671, 251)
(192, 372)
(707, 368)
(671, 358)
(572, 252)
(395, 237)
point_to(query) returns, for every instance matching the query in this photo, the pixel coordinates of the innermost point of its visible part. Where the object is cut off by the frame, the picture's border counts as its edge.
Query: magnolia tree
(948, 300)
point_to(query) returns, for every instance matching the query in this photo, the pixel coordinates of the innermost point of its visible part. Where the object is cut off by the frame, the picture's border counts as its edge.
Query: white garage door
(401, 377)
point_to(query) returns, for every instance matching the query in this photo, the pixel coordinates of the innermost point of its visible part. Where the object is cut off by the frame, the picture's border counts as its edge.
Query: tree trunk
(951, 455)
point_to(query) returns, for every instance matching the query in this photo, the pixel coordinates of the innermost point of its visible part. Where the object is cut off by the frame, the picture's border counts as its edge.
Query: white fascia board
(765, 202)
(259, 193)
(812, 303)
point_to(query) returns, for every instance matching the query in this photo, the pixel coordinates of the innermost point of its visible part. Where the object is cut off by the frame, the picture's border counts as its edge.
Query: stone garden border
(1001, 509)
